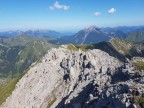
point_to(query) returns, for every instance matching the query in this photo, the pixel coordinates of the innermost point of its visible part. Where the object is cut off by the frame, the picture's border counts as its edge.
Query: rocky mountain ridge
(78, 79)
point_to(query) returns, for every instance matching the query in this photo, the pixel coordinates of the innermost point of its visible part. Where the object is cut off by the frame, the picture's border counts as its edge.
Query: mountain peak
(92, 28)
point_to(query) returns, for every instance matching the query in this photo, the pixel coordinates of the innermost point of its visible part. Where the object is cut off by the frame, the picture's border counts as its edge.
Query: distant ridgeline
(19, 49)
(19, 52)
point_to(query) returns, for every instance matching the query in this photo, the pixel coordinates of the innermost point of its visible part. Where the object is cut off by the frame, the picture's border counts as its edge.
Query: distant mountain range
(125, 29)
(115, 33)
(94, 35)
(22, 40)
(48, 33)
(90, 35)
(18, 52)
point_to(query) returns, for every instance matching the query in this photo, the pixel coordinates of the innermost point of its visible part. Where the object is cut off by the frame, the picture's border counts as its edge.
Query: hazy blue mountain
(92, 35)
(89, 35)
(115, 33)
(48, 33)
(125, 29)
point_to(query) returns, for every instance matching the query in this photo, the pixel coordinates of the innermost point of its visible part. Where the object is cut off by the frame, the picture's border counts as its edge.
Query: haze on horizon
(69, 14)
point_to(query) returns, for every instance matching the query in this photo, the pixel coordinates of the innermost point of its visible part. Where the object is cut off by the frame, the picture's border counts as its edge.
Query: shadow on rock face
(119, 76)
(107, 103)
(79, 101)
(108, 47)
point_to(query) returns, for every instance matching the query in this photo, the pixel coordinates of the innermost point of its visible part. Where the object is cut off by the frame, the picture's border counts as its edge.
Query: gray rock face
(68, 79)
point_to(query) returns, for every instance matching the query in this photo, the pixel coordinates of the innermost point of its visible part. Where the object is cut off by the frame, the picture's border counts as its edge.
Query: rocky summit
(65, 78)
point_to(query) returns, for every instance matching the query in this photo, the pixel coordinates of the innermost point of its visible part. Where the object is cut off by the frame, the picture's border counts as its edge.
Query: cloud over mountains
(57, 5)
(97, 13)
(112, 10)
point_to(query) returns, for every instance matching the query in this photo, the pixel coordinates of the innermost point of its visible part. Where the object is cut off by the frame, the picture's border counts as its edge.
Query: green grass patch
(6, 90)
(139, 101)
(139, 65)
(51, 102)
(32, 52)
(122, 46)
(85, 47)
(71, 47)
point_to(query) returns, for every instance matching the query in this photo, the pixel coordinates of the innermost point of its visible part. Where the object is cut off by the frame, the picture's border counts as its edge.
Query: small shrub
(139, 65)
(51, 102)
(71, 47)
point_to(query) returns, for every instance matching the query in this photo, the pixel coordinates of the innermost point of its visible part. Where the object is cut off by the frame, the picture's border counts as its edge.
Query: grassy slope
(32, 52)
(139, 65)
(122, 46)
(83, 47)
(118, 48)
(24, 39)
(128, 48)
(6, 90)
(136, 37)
(104, 46)
(10, 58)
(33, 48)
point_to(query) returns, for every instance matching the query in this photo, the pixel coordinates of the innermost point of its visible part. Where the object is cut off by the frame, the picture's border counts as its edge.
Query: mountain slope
(46, 80)
(125, 29)
(32, 52)
(90, 35)
(128, 48)
(118, 48)
(121, 45)
(76, 79)
(114, 33)
(22, 40)
(15, 59)
(136, 37)
(8, 57)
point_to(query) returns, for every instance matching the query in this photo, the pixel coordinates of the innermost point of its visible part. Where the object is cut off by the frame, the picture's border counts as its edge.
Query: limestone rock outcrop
(77, 79)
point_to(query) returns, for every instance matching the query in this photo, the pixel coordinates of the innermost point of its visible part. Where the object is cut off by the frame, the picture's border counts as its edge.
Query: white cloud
(112, 10)
(66, 7)
(97, 13)
(57, 5)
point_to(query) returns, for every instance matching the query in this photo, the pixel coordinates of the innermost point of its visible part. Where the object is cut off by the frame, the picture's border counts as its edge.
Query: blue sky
(69, 14)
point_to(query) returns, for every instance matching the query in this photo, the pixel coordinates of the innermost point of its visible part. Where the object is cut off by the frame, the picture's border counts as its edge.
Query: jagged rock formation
(77, 79)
